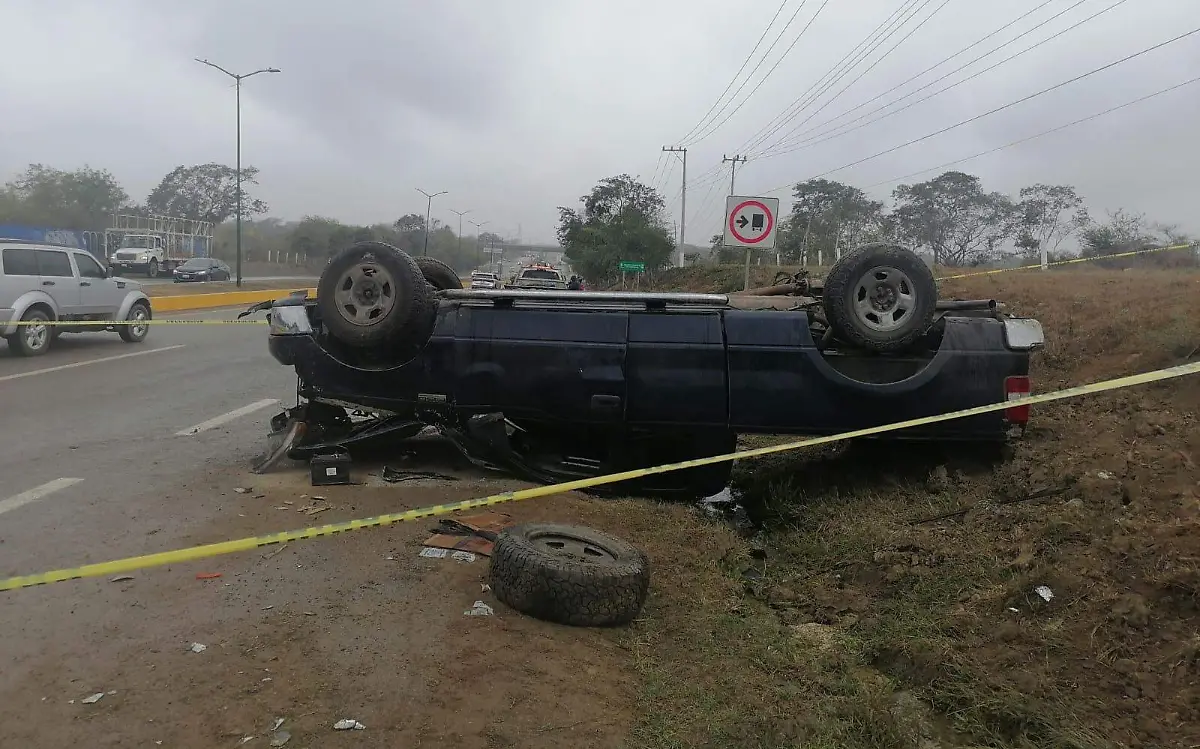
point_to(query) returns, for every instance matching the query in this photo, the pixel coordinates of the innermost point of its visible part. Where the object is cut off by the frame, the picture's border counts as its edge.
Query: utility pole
(733, 170)
(428, 208)
(683, 208)
(460, 214)
(237, 80)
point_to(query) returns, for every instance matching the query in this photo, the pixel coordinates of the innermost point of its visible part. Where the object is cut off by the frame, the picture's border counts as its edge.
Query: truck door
(557, 365)
(58, 280)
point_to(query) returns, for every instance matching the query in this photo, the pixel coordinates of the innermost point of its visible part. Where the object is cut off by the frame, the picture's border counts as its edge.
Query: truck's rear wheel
(373, 295)
(880, 297)
(152, 269)
(439, 275)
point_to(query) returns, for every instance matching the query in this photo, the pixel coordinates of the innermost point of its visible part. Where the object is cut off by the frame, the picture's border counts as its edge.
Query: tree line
(86, 199)
(952, 218)
(958, 222)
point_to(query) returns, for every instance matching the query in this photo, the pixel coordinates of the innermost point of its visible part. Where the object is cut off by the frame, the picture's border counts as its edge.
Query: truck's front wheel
(373, 295)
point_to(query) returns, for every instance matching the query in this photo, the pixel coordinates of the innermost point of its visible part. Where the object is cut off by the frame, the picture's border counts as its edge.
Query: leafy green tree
(82, 200)
(205, 192)
(952, 217)
(621, 219)
(1049, 214)
(825, 215)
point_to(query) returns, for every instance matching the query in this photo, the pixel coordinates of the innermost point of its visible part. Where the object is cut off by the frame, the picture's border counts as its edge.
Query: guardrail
(222, 299)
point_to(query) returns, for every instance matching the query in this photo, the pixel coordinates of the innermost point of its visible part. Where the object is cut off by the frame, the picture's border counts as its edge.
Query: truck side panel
(779, 382)
(676, 370)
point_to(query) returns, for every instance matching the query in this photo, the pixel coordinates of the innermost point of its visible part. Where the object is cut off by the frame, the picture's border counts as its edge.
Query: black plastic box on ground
(330, 469)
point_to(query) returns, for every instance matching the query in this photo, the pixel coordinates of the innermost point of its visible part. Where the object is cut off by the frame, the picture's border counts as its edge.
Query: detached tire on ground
(372, 295)
(439, 275)
(880, 297)
(568, 574)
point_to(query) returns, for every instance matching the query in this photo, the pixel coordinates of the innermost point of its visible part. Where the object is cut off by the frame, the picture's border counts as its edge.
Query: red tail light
(1016, 388)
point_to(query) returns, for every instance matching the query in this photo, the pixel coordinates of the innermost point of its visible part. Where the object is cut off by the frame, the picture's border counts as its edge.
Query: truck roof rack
(650, 300)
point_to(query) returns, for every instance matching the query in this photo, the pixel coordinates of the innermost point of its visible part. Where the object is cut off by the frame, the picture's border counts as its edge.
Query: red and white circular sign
(750, 222)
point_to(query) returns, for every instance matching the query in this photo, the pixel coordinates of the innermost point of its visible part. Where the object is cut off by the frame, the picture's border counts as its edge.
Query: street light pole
(460, 215)
(237, 80)
(479, 239)
(428, 208)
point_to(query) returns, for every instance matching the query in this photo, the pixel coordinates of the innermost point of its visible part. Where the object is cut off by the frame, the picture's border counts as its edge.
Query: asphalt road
(95, 434)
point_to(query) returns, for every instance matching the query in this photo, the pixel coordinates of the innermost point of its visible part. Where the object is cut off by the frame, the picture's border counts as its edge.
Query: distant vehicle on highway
(203, 269)
(44, 284)
(484, 280)
(539, 276)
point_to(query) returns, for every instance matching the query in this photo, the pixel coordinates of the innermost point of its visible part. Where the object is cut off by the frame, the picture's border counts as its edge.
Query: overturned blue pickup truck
(556, 385)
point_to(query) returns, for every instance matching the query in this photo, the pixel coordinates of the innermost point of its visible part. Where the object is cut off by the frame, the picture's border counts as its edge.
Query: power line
(1000, 108)
(945, 60)
(712, 129)
(854, 63)
(745, 62)
(787, 111)
(834, 133)
(1044, 133)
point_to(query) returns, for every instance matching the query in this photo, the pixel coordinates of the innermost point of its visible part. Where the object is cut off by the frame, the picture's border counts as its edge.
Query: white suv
(44, 284)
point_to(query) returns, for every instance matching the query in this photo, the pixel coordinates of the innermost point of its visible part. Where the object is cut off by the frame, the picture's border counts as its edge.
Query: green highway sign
(631, 266)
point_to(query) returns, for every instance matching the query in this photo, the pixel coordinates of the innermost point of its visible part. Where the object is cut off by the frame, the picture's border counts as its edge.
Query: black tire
(439, 275)
(389, 306)
(135, 333)
(885, 271)
(30, 339)
(152, 269)
(592, 580)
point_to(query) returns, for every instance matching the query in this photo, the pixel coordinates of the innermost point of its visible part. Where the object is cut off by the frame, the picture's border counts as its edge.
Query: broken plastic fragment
(93, 699)
(348, 724)
(1044, 592)
(479, 609)
(197, 647)
(281, 738)
(463, 556)
(242, 490)
(278, 723)
(433, 553)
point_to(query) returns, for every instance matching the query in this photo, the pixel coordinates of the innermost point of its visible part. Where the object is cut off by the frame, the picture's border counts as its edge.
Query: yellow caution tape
(1070, 261)
(130, 564)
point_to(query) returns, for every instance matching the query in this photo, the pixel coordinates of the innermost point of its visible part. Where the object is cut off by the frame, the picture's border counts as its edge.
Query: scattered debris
(243, 490)
(348, 724)
(246, 740)
(431, 553)
(485, 588)
(278, 723)
(281, 738)
(93, 699)
(471, 533)
(121, 578)
(270, 554)
(479, 609)
(1044, 592)
(197, 647)
(207, 575)
(1105, 475)
(462, 556)
(396, 475)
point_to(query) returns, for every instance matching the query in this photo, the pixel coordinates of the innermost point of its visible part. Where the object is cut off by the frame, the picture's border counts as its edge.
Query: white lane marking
(236, 413)
(35, 494)
(101, 360)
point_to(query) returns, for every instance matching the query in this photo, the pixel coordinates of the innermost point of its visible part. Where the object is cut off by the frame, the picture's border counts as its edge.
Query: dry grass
(854, 621)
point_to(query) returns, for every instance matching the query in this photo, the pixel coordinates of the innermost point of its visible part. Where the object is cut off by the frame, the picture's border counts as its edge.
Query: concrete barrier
(189, 302)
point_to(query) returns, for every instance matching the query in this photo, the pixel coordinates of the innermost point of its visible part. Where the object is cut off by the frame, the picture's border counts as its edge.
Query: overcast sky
(517, 107)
